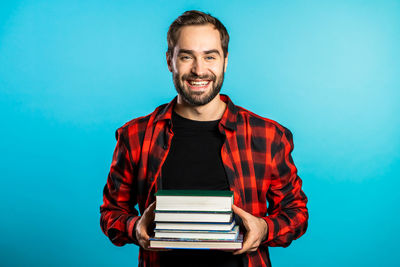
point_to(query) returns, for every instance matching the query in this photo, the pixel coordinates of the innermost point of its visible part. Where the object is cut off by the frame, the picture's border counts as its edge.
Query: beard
(198, 98)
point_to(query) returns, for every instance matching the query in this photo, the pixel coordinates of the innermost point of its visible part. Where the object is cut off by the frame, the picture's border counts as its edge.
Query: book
(187, 216)
(195, 226)
(195, 219)
(174, 243)
(194, 200)
(216, 235)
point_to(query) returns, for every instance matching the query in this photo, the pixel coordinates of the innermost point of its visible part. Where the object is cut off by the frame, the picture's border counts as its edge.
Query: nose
(198, 68)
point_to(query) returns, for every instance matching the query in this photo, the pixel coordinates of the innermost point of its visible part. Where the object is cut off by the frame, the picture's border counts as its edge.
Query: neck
(208, 112)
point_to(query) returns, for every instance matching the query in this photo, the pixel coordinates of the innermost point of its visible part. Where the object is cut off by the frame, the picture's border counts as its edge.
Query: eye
(185, 58)
(210, 57)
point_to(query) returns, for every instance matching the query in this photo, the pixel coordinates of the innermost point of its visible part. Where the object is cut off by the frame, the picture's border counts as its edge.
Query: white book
(209, 217)
(195, 226)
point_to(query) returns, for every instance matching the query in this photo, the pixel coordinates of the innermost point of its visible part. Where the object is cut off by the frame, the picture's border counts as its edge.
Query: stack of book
(195, 219)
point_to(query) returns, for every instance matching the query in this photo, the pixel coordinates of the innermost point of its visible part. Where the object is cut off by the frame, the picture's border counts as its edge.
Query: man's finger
(240, 212)
(148, 215)
(144, 235)
(242, 250)
(252, 249)
(152, 205)
(150, 208)
(246, 245)
(144, 244)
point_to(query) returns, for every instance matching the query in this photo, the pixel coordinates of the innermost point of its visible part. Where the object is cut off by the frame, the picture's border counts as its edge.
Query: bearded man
(201, 140)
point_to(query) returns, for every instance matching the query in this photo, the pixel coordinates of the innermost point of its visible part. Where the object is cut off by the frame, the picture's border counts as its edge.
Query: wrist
(131, 226)
(265, 229)
(134, 230)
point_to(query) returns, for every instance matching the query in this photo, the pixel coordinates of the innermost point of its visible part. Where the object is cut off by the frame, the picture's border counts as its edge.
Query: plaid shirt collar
(228, 120)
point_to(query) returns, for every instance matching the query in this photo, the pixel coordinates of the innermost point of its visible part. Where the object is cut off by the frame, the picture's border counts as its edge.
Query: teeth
(198, 83)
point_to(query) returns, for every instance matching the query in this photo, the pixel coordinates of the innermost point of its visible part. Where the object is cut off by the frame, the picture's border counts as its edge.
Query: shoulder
(138, 126)
(259, 123)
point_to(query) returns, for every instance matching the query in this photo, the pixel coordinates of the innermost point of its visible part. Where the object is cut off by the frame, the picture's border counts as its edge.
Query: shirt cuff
(130, 224)
(271, 229)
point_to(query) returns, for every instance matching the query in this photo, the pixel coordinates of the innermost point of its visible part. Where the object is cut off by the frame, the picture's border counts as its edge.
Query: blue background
(71, 72)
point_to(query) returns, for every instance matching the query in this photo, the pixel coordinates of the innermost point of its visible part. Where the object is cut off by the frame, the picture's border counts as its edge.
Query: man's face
(198, 64)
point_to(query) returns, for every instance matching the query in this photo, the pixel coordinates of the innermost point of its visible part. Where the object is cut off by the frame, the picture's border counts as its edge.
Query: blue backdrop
(71, 72)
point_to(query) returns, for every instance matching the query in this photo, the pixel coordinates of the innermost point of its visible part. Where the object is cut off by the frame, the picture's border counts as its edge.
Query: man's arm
(288, 214)
(287, 211)
(118, 215)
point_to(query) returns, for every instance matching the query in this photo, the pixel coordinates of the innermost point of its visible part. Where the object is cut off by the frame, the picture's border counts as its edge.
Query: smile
(198, 84)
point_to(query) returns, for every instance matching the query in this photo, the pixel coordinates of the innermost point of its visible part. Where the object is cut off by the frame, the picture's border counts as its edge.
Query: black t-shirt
(194, 162)
(194, 159)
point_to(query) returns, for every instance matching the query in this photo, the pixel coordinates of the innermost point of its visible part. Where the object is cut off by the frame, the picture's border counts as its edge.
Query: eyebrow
(191, 52)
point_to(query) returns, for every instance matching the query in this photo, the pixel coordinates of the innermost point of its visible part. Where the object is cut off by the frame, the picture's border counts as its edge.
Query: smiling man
(198, 65)
(201, 140)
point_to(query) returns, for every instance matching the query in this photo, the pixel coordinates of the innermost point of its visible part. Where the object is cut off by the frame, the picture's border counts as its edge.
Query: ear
(169, 61)
(226, 62)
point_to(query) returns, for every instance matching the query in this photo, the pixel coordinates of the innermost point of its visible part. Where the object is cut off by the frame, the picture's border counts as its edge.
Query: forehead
(199, 38)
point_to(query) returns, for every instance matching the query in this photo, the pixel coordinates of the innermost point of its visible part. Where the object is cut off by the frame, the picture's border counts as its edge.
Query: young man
(201, 140)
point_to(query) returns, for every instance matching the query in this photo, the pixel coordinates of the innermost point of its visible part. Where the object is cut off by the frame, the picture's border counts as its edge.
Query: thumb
(148, 215)
(149, 210)
(240, 212)
(152, 206)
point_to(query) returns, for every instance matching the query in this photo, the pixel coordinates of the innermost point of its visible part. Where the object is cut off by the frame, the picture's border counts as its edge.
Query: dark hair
(194, 17)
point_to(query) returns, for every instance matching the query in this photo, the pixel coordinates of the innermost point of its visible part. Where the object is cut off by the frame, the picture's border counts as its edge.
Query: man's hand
(256, 228)
(142, 227)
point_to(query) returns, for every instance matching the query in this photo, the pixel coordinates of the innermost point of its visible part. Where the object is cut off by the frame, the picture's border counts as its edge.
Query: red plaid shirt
(258, 164)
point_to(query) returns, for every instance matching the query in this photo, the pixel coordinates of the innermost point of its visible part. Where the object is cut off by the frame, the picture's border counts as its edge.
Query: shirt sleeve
(118, 214)
(287, 211)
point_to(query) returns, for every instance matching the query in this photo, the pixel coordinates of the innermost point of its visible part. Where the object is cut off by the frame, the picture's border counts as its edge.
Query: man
(201, 140)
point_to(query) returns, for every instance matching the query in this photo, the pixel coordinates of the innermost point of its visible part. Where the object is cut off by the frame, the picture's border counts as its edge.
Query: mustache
(200, 77)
